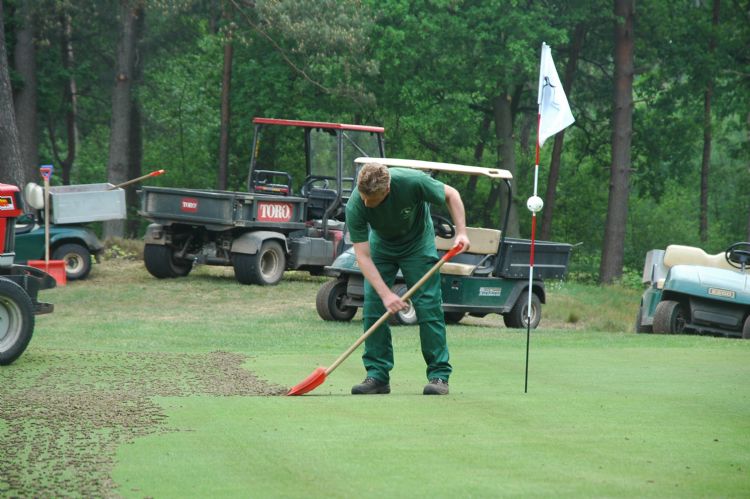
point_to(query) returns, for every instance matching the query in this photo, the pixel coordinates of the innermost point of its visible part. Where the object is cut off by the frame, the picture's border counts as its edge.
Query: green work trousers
(427, 302)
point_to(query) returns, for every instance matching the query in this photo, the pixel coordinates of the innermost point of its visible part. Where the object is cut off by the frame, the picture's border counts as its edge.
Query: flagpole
(531, 254)
(554, 105)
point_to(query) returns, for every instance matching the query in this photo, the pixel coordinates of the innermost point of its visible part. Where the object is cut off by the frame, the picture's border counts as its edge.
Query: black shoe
(371, 386)
(436, 386)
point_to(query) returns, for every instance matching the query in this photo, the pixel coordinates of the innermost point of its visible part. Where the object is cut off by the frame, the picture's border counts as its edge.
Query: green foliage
(429, 71)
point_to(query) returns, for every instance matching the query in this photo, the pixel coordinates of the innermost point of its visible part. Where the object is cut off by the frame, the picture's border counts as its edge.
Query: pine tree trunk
(622, 133)
(11, 163)
(484, 131)
(24, 60)
(71, 98)
(226, 114)
(707, 128)
(118, 166)
(502, 106)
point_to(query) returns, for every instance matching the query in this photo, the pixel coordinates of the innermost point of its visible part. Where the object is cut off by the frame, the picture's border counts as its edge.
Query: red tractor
(19, 284)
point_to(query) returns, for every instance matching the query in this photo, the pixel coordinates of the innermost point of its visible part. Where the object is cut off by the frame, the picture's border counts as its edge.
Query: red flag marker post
(554, 115)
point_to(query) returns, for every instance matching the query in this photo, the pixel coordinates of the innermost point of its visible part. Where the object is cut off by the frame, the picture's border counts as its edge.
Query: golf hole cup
(535, 204)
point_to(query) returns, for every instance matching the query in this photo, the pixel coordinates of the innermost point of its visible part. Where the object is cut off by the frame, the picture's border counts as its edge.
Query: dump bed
(550, 259)
(86, 203)
(221, 210)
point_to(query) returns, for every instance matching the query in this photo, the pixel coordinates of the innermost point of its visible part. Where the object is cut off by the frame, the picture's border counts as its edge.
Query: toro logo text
(275, 212)
(189, 205)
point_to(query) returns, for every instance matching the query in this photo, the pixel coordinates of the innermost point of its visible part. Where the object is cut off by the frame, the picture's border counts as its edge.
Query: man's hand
(462, 239)
(393, 303)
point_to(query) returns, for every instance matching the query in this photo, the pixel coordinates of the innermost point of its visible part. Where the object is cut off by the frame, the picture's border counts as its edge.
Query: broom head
(308, 384)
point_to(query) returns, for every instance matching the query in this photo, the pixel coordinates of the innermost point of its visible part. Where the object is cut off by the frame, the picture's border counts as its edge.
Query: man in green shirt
(394, 204)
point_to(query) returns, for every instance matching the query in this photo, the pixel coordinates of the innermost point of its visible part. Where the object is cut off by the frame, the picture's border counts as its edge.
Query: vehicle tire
(516, 318)
(266, 267)
(746, 329)
(406, 317)
(16, 321)
(77, 260)
(328, 302)
(669, 317)
(453, 317)
(161, 263)
(640, 328)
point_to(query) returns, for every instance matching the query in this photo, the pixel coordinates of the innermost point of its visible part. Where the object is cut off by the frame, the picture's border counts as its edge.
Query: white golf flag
(554, 110)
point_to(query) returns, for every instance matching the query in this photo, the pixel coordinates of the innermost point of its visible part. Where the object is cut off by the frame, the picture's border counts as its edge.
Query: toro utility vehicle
(691, 291)
(291, 217)
(19, 284)
(491, 277)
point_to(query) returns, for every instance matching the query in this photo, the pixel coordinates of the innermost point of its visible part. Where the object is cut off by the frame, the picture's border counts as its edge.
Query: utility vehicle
(491, 277)
(691, 291)
(291, 216)
(19, 284)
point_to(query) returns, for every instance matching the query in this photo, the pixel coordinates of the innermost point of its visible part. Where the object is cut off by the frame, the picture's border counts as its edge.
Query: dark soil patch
(63, 415)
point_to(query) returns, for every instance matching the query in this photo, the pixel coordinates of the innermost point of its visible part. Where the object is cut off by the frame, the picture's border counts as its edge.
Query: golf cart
(73, 244)
(690, 291)
(491, 277)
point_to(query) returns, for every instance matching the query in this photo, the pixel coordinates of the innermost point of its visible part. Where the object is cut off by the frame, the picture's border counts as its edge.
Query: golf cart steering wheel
(738, 255)
(311, 182)
(443, 227)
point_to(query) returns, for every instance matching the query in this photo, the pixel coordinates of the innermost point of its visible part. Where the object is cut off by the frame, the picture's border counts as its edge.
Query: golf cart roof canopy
(442, 167)
(318, 124)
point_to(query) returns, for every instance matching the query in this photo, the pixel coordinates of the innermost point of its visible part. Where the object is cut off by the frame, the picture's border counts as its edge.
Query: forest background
(659, 154)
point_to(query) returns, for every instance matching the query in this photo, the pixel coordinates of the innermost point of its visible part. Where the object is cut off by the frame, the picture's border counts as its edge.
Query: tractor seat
(676, 254)
(479, 259)
(318, 201)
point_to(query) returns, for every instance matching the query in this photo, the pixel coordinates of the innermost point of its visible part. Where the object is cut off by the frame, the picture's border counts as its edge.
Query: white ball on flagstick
(535, 204)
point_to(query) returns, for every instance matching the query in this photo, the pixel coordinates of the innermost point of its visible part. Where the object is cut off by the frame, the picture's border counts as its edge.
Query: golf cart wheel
(161, 263)
(77, 260)
(406, 317)
(669, 318)
(639, 327)
(16, 321)
(517, 317)
(746, 329)
(453, 317)
(266, 267)
(329, 301)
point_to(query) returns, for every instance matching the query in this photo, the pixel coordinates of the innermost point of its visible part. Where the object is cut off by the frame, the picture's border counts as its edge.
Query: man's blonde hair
(374, 178)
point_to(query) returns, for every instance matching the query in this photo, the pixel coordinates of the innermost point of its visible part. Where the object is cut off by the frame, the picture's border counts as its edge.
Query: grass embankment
(141, 387)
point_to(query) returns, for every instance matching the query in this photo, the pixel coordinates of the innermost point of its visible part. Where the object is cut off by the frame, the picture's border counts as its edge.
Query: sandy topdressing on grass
(66, 413)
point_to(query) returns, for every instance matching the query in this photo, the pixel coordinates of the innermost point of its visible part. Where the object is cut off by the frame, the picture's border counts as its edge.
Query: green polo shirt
(401, 224)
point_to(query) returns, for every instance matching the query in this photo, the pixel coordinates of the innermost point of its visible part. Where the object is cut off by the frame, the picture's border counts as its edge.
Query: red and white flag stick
(553, 116)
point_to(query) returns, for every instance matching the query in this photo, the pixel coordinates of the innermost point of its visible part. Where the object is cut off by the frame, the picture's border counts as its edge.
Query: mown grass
(608, 413)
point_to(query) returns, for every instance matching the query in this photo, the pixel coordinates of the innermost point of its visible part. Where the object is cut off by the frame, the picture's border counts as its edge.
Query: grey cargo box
(86, 203)
(550, 259)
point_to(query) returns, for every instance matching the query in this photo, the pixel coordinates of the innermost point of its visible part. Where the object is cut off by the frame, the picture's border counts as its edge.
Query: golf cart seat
(479, 259)
(676, 254)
